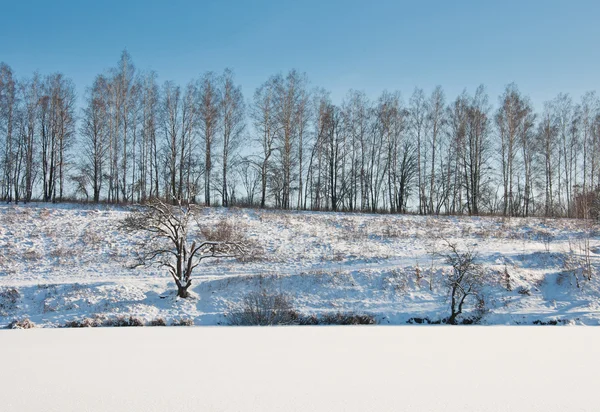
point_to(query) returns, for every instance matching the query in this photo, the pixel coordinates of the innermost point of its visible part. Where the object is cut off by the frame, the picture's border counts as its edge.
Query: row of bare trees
(291, 147)
(142, 141)
(37, 129)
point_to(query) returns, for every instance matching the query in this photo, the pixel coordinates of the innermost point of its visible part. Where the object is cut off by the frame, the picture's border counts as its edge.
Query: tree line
(289, 146)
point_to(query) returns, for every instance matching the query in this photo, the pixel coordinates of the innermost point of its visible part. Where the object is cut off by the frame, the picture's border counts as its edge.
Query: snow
(70, 262)
(369, 368)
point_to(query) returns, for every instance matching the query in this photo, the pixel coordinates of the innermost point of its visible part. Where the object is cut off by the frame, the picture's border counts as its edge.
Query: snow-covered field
(60, 263)
(316, 369)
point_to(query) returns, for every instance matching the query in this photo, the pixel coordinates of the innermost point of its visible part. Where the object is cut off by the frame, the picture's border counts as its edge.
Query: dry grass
(91, 238)
(223, 231)
(62, 252)
(32, 255)
(44, 214)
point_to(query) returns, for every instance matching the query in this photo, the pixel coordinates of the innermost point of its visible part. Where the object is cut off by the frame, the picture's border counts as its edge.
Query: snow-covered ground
(60, 263)
(317, 369)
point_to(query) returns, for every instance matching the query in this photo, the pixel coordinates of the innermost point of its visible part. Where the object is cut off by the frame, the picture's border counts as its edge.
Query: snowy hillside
(60, 263)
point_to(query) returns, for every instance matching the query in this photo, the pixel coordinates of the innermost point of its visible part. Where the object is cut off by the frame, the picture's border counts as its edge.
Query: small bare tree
(465, 279)
(173, 244)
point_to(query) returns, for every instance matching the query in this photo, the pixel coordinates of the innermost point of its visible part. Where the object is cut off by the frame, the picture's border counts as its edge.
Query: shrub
(263, 308)
(423, 321)
(182, 322)
(480, 311)
(21, 324)
(158, 322)
(397, 281)
(391, 231)
(505, 279)
(32, 254)
(474, 320)
(91, 238)
(347, 319)
(94, 322)
(122, 321)
(61, 252)
(552, 322)
(223, 231)
(8, 301)
(254, 253)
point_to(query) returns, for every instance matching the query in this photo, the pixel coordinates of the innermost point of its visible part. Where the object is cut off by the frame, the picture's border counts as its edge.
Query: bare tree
(465, 279)
(149, 160)
(94, 136)
(250, 177)
(58, 130)
(436, 118)
(356, 124)
(547, 133)
(124, 82)
(418, 125)
(458, 115)
(477, 151)
(30, 99)
(289, 96)
(232, 113)
(263, 116)
(7, 127)
(172, 242)
(209, 121)
(171, 120)
(511, 114)
(564, 118)
(589, 109)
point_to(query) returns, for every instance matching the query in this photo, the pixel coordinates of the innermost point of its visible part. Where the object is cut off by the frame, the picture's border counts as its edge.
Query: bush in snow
(21, 324)
(338, 318)
(266, 308)
(8, 301)
(32, 254)
(423, 321)
(347, 319)
(223, 231)
(182, 322)
(158, 322)
(506, 279)
(552, 322)
(263, 308)
(94, 322)
(124, 321)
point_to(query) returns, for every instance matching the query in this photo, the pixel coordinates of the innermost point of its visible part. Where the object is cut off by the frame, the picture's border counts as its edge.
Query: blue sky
(546, 47)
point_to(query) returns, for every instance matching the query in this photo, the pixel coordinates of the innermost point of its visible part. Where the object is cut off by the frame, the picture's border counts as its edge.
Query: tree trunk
(182, 290)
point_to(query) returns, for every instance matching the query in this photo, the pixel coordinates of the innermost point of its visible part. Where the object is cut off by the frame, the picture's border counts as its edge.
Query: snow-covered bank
(69, 262)
(329, 369)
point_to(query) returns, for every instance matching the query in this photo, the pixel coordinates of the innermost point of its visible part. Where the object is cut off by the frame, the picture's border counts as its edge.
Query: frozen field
(60, 263)
(351, 369)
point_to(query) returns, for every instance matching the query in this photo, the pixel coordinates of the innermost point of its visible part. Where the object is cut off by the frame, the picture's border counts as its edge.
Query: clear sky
(546, 47)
